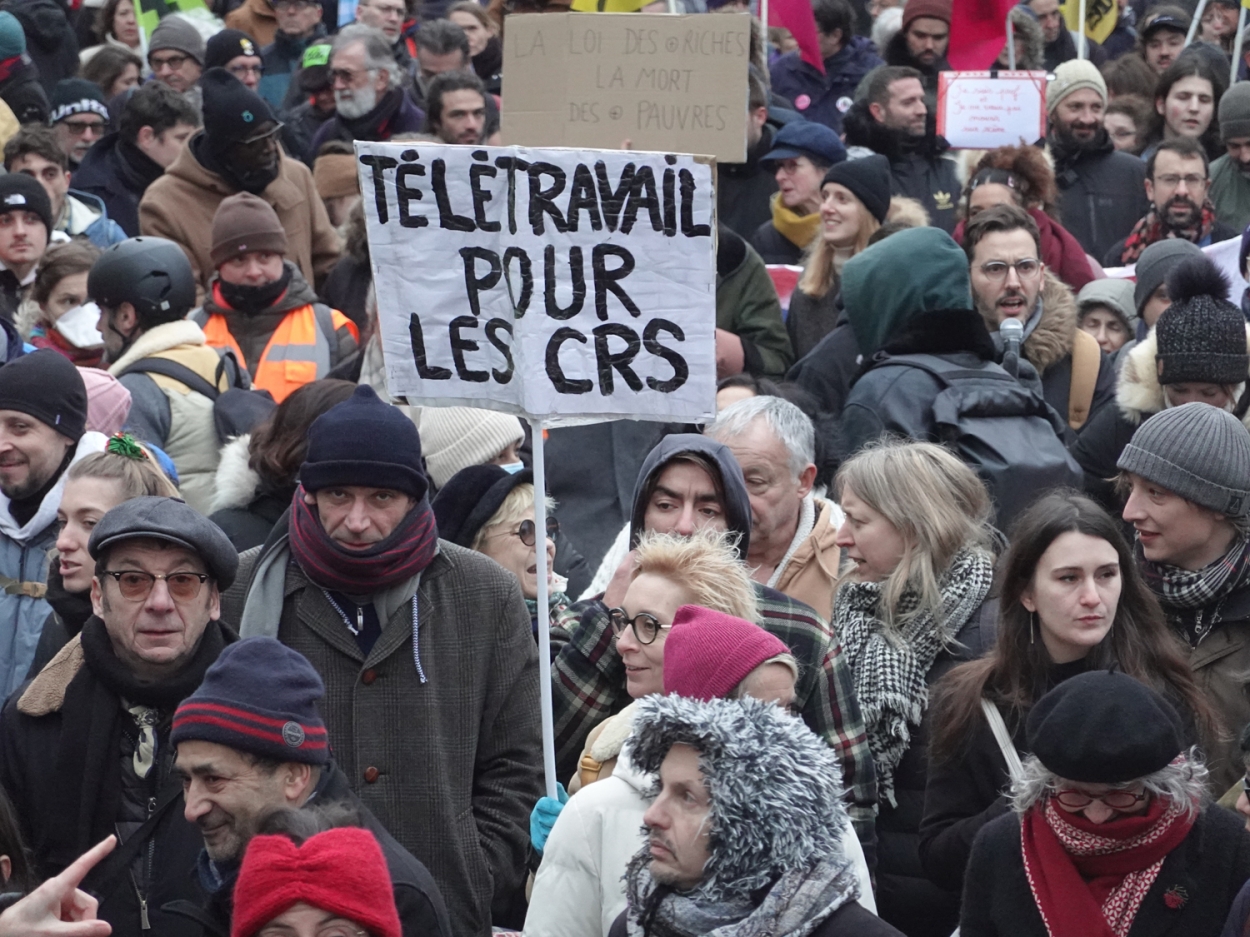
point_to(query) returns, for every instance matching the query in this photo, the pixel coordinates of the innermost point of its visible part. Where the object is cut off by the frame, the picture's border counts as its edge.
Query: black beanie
(1201, 336)
(47, 386)
(226, 45)
(20, 191)
(868, 179)
(232, 112)
(470, 499)
(364, 441)
(1103, 728)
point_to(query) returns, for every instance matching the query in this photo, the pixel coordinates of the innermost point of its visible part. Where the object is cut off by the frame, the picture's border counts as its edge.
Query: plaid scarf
(1152, 227)
(890, 668)
(1089, 878)
(408, 550)
(1193, 598)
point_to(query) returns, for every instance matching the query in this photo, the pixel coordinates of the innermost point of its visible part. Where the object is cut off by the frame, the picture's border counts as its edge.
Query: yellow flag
(608, 6)
(1100, 17)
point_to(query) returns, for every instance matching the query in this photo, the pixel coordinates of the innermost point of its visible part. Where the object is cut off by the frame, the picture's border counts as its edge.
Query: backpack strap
(173, 369)
(1015, 767)
(1086, 362)
(944, 371)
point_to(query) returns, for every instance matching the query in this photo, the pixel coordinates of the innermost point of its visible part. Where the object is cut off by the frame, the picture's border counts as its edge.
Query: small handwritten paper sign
(983, 110)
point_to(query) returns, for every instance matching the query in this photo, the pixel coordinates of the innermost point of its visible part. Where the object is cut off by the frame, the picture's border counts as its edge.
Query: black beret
(1104, 728)
(170, 519)
(470, 499)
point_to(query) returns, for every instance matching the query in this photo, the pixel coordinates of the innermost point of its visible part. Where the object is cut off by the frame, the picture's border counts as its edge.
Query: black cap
(19, 191)
(233, 113)
(228, 45)
(46, 385)
(1175, 20)
(470, 499)
(1104, 728)
(868, 179)
(172, 520)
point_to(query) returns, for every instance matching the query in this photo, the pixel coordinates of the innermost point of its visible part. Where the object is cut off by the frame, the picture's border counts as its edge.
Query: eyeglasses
(291, 6)
(238, 71)
(78, 127)
(1191, 181)
(646, 626)
(526, 530)
(135, 585)
(348, 75)
(1026, 269)
(172, 61)
(1116, 800)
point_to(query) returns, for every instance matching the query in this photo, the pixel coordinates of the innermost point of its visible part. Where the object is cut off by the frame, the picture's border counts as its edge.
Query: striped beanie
(260, 697)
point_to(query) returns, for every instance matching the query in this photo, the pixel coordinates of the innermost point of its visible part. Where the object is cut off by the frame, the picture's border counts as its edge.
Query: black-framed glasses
(136, 585)
(1116, 800)
(646, 626)
(171, 61)
(526, 529)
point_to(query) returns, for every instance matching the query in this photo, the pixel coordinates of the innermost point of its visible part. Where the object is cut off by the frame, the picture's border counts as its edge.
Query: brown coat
(1220, 664)
(256, 18)
(811, 576)
(180, 206)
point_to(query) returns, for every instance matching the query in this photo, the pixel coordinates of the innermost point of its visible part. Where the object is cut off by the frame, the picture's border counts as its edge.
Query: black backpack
(236, 411)
(1001, 428)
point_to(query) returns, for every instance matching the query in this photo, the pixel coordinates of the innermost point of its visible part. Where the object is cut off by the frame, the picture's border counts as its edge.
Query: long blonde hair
(706, 565)
(936, 503)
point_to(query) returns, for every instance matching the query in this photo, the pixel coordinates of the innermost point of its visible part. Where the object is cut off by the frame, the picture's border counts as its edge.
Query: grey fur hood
(1028, 29)
(776, 788)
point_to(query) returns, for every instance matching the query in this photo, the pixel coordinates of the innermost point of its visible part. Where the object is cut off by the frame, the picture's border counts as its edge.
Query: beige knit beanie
(453, 438)
(1073, 76)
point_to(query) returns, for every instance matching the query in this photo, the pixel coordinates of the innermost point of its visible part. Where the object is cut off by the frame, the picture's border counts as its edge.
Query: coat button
(371, 775)
(368, 676)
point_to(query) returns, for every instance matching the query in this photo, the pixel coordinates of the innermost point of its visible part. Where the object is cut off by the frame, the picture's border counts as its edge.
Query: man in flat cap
(84, 747)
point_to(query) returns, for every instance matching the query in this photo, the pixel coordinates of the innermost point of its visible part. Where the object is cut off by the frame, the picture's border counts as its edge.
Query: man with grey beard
(1230, 174)
(370, 103)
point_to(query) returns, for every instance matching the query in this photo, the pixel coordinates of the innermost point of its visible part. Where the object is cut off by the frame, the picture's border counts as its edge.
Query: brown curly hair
(1032, 171)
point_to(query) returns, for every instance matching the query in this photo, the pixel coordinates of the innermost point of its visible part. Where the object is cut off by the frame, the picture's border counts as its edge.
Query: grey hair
(378, 53)
(1184, 782)
(789, 424)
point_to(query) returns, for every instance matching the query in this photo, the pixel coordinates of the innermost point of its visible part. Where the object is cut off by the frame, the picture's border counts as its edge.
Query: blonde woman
(915, 603)
(855, 200)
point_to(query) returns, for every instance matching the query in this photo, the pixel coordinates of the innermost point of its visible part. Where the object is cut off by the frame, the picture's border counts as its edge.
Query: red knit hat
(341, 871)
(914, 9)
(709, 653)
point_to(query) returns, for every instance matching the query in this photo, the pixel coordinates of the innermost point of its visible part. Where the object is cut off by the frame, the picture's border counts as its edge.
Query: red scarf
(408, 550)
(1089, 879)
(1151, 228)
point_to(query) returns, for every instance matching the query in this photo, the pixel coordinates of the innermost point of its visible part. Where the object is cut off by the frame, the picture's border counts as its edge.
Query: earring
(1032, 627)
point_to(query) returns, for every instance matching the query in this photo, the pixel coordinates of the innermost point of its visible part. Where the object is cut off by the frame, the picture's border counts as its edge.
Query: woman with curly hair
(1020, 175)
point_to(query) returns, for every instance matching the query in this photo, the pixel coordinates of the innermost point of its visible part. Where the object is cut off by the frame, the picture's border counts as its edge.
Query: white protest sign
(979, 111)
(544, 282)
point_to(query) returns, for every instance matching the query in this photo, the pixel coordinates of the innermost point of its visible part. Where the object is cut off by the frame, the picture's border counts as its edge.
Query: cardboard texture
(983, 111)
(663, 82)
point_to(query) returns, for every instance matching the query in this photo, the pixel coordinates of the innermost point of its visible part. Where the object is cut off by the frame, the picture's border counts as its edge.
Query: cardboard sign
(545, 283)
(669, 83)
(981, 112)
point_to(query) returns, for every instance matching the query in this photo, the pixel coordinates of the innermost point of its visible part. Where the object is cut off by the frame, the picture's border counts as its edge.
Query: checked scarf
(1151, 228)
(890, 669)
(1193, 598)
(1089, 879)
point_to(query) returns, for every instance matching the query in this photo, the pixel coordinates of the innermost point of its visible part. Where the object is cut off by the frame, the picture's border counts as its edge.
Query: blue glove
(543, 818)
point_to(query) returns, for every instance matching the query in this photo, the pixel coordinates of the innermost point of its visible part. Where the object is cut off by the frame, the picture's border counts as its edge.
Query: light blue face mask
(513, 467)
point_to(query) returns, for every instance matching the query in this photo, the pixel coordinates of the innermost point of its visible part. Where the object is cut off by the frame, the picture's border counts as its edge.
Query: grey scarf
(890, 670)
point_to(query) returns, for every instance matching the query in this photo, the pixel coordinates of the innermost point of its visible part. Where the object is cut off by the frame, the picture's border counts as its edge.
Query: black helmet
(152, 274)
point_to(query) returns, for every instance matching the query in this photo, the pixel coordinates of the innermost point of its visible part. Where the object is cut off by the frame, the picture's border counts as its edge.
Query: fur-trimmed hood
(1029, 29)
(776, 788)
(1051, 340)
(235, 484)
(1138, 393)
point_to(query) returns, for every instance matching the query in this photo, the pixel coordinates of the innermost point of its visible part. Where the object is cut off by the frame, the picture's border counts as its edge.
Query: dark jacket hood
(737, 504)
(861, 129)
(43, 21)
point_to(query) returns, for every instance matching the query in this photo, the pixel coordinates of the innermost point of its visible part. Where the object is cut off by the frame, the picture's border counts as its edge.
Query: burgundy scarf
(408, 550)
(1151, 228)
(1089, 879)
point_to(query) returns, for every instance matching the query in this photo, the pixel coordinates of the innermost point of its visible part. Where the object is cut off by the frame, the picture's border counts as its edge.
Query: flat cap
(173, 520)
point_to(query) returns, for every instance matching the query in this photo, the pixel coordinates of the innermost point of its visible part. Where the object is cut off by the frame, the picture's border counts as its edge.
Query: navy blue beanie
(259, 696)
(365, 442)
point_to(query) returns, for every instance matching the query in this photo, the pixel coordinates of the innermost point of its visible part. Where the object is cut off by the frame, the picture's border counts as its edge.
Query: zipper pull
(151, 806)
(360, 619)
(144, 923)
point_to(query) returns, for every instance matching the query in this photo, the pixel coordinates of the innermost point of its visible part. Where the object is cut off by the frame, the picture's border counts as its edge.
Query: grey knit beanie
(1201, 336)
(1197, 451)
(1156, 262)
(1235, 111)
(175, 32)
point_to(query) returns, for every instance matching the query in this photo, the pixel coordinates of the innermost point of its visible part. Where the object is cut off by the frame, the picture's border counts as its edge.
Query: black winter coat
(51, 41)
(829, 368)
(1219, 232)
(743, 189)
(25, 95)
(774, 247)
(1102, 192)
(918, 168)
(850, 920)
(1210, 866)
(810, 320)
(905, 896)
(118, 175)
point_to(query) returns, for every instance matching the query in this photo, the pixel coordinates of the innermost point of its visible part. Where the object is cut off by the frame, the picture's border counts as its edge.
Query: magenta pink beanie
(709, 653)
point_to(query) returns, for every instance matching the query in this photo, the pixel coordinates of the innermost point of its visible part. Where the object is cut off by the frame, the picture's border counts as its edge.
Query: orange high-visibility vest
(298, 351)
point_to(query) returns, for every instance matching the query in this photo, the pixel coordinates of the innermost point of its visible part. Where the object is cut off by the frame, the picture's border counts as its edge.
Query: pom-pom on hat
(1201, 336)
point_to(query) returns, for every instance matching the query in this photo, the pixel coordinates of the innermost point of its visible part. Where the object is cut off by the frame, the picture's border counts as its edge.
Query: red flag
(797, 16)
(981, 35)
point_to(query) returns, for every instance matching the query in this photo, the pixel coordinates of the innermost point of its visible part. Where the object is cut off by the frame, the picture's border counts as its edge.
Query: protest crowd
(936, 621)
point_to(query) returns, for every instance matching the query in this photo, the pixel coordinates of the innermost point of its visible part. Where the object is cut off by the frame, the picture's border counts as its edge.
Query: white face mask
(513, 467)
(78, 326)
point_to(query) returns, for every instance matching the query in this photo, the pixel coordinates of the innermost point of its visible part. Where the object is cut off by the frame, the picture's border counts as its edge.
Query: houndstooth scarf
(1193, 598)
(890, 671)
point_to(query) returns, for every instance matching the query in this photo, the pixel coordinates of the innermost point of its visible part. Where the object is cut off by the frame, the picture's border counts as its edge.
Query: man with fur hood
(1196, 353)
(733, 774)
(1010, 281)
(690, 482)
(891, 117)
(260, 306)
